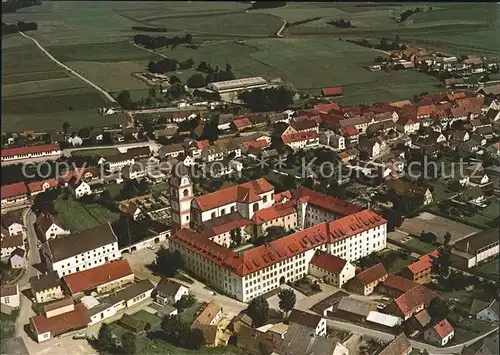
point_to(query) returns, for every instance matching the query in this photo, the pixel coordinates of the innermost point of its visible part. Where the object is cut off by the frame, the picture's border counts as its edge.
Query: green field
(95, 39)
(78, 217)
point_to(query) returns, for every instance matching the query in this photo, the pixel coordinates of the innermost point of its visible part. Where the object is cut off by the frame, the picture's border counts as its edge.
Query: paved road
(168, 109)
(95, 86)
(33, 258)
(280, 31)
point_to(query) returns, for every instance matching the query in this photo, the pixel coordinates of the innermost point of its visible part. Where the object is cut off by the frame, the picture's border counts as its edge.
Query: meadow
(95, 39)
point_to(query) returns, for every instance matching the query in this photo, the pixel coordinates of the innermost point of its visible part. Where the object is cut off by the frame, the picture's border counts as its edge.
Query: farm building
(238, 84)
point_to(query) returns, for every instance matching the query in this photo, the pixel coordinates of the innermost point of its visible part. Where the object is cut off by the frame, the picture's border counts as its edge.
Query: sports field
(95, 39)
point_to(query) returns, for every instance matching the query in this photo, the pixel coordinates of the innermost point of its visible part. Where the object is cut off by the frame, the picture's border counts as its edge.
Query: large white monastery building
(203, 226)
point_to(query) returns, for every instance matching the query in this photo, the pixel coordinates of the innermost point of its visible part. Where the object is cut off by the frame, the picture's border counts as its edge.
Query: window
(255, 207)
(264, 199)
(213, 214)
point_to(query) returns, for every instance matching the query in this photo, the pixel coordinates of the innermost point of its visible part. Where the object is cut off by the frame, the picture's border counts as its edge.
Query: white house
(170, 292)
(75, 141)
(302, 140)
(9, 296)
(13, 222)
(80, 188)
(408, 125)
(440, 334)
(490, 313)
(49, 226)
(331, 269)
(135, 171)
(81, 251)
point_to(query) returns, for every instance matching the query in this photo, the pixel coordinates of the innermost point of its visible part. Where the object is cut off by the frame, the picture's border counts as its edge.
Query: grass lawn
(421, 246)
(96, 152)
(147, 346)
(114, 189)
(77, 216)
(491, 268)
(189, 314)
(146, 317)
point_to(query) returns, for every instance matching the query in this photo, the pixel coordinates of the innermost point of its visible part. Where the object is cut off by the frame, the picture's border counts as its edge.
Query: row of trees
(383, 44)
(267, 4)
(216, 74)
(8, 28)
(272, 99)
(149, 29)
(161, 41)
(179, 333)
(163, 65)
(405, 14)
(258, 308)
(106, 342)
(342, 23)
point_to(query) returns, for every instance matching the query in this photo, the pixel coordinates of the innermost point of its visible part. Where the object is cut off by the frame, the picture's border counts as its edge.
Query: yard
(484, 217)
(490, 268)
(77, 216)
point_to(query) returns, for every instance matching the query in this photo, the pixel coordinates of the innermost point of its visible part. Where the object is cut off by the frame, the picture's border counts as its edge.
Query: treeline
(341, 23)
(149, 29)
(383, 44)
(215, 74)
(405, 14)
(301, 22)
(21, 26)
(167, 64)
(272, 99)
(267, 4)
(13, 6)
(162, 41)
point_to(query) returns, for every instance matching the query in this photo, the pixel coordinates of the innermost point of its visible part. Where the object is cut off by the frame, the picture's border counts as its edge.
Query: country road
(95, 86)
(280, 31)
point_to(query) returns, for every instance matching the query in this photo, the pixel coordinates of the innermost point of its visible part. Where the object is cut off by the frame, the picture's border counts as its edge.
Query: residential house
(408, 125)
(331, 139)
(9, 296)
(487, 311)
(10, 243)
(421, 270)
(440, 334)
(169, 292)
(306, 125)
(51, 151)
(100, 279)
(12, 222)
(115, 163)
(241, 124)
(394, 286)
(130, 295)
(171, 151)
(411, 302)
(207, 322)
(487, 346)
(365, 282)
(46, 287)
(350, 135)
(354, 309)
(359, 122)
(297, 141)
(49, 226)
(16, 193)
(81, 251)
(331, 269)
(308, 320)
(400, 345)
(166, 131)
(17, 258)
(278, 215)
(36, 187)
(474, 195)
(374, 147)
(79, 188)
(213, 153)
(74, 317)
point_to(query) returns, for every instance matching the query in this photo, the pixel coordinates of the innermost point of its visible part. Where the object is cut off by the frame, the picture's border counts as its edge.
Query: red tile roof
(276, 211)
(443, 328)
(202, 144)
(456, 95)
(91, 278)
(426, 110)
(328, 262)
(36, 186)
(222, 142)
(423, 263)
(375, 273)
(282, 195)
(225, 223)
(301, 136)
(326, 202)
(247, 193)
(261, 143)
(242, 122)
(62, 323)
(331, 91)
(399, 283)
(414, 298)
(326, 108)
(401, 103)
(276, 251)
(12, 190)
(349, 131)
(7, 152)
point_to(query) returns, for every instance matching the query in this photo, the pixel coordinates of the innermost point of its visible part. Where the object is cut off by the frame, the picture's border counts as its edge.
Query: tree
(287, 300)
(105, 341)
(188, 38)
(438, 308)
(176, 90)
(308, 182)
(236, 238)
(196, 81)
(173, 79)
(195, 339)
(447, 238)
(129, 345)
(66, 127)
(184, 302)
(441, 264)
(289, 182)
(169, 262)
(125, 100)
(428, 237)
(258, 311)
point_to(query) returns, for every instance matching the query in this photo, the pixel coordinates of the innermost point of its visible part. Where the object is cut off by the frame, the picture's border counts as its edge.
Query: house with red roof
(408, 125)
(49, 151)
(411, 302)
(325, 108)
(331, 269)
(302, 140)
(241, 123)
(350, 134)
(100, 279)
(221, 229)
(394, 286)
(306, 125)
(440, 334)
(45, 327)
(14, 193)
(36, 187)
(365, 282)
(421, 270)
(334, 91)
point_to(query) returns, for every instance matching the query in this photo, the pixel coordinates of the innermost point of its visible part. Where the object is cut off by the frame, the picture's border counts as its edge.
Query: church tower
(181, 195)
